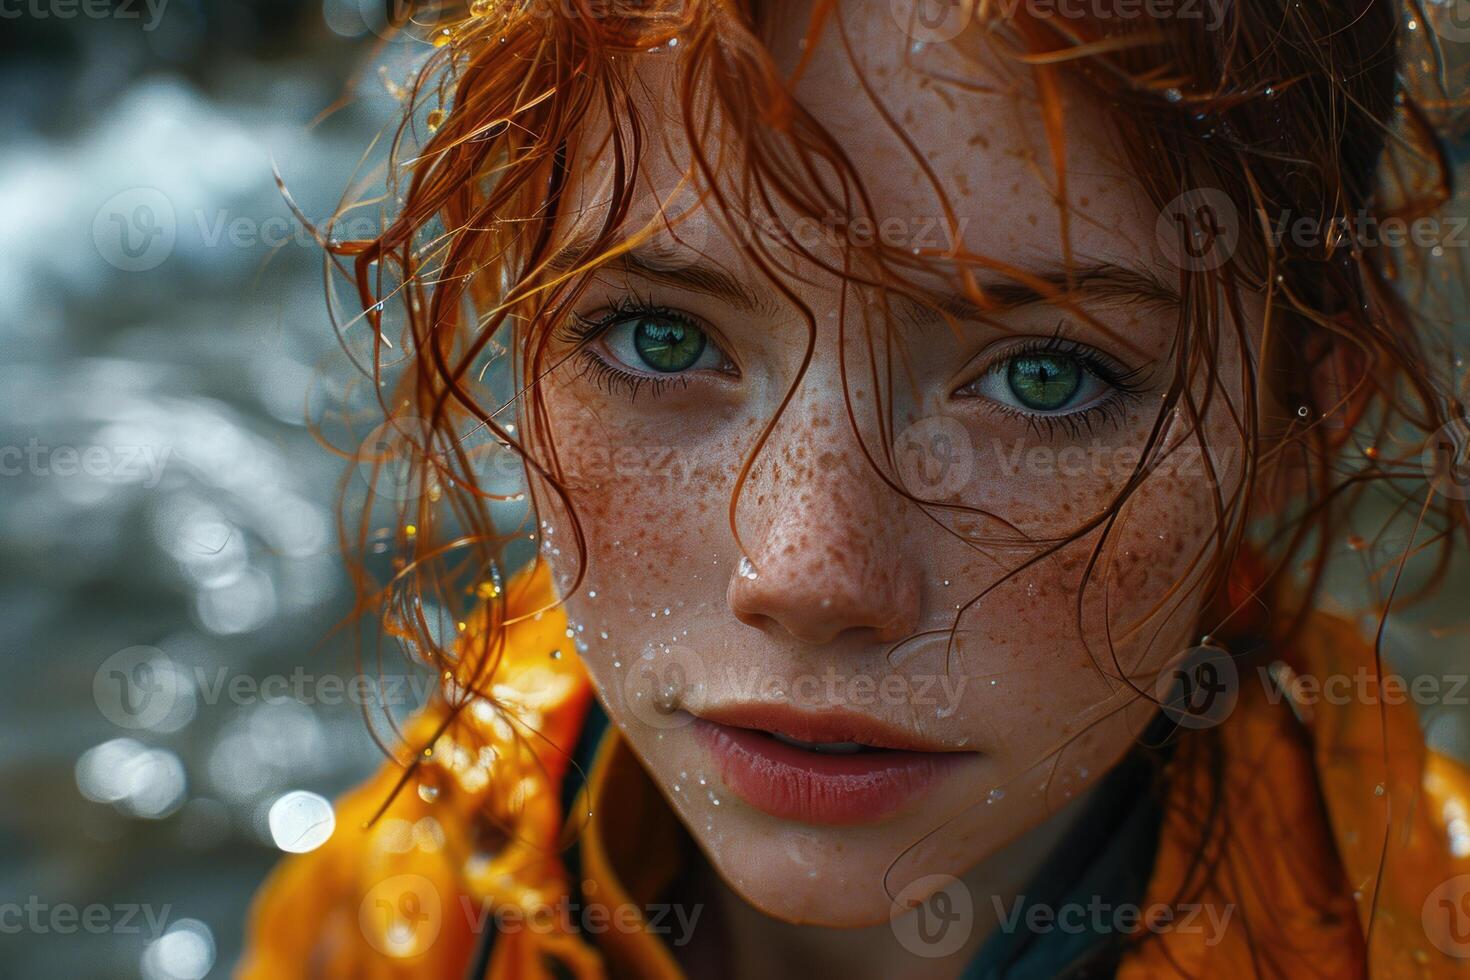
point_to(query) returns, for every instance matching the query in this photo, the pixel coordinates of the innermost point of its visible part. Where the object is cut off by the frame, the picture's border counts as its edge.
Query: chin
(846, 891)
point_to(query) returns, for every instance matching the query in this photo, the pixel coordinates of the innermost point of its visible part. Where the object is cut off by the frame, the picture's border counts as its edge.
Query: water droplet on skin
(995, 794)
(745, 569)
(428, 793)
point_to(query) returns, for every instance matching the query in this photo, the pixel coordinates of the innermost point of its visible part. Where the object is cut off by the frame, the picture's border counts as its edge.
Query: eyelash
(580, 331)
(1126, 387)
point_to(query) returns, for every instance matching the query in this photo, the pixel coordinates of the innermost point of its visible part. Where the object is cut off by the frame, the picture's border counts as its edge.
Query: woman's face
(864, 690)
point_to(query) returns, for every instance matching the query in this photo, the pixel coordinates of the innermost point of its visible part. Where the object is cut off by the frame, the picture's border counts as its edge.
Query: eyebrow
(667, 266)
(1044, 286)
(1096, 280)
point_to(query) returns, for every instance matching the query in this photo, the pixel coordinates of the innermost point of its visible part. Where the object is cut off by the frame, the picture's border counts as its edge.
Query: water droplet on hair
(428, 793)
(995, 794)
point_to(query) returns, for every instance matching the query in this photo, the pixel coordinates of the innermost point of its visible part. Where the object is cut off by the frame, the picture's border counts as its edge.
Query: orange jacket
(1337, 819)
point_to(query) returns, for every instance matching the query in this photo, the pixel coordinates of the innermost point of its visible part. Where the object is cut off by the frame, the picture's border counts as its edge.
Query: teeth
(828, 748)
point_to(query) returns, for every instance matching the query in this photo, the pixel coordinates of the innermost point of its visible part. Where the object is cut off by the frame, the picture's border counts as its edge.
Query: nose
(835, 554)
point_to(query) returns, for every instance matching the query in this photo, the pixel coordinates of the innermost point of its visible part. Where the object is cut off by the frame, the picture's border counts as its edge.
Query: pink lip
(818, 788)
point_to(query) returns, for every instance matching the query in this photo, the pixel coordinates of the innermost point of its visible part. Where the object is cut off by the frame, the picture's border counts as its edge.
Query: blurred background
(176, 709)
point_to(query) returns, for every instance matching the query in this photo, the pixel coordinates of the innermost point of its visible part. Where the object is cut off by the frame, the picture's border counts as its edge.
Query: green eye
(1044, 382)
(668, 346)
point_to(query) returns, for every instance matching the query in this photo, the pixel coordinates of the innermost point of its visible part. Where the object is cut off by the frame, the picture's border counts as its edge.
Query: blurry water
(173, 712)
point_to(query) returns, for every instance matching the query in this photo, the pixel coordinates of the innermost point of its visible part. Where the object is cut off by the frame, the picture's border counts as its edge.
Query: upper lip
(822, 725)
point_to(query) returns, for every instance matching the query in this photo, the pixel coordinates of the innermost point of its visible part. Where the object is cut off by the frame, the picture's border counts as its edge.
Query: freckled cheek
(1034, 669)
(650, 503)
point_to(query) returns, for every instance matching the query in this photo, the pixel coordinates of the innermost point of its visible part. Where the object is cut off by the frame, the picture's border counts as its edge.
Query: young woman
(936, 420)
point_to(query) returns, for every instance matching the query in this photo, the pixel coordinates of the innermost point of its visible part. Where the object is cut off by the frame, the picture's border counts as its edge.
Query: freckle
(1031, 218)
(1084, 201)
(979, 140)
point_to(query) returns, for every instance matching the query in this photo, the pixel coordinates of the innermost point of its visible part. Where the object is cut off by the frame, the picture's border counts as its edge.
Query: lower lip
(811, 787)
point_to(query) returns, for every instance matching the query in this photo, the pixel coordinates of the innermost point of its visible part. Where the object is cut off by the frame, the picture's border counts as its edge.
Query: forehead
(946, 139)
